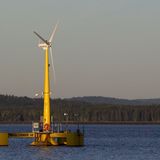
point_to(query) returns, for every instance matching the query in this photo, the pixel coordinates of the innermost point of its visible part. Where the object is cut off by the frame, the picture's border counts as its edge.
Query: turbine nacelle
(44, 45)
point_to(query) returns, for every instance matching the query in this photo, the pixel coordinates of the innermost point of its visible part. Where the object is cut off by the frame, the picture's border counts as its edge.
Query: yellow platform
(67, 138)
(56, 139)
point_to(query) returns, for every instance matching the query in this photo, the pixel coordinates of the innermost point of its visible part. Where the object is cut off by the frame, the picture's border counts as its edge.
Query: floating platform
(67, 138)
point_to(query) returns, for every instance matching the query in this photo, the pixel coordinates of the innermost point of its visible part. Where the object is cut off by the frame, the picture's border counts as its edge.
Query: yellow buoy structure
(47, 136)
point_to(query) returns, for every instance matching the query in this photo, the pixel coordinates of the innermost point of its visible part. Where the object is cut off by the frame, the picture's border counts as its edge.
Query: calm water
(102, 142)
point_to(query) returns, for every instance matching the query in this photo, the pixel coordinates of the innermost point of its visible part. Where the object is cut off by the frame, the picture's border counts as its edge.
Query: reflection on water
(102, 142)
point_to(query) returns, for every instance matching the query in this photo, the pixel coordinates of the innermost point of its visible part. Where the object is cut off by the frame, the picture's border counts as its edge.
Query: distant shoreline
(106, 122)
(87, 110)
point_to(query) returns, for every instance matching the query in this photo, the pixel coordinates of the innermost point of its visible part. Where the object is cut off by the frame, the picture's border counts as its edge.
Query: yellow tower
(46, 93)
(46, 45)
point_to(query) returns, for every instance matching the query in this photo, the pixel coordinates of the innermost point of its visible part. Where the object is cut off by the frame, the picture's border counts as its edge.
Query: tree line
(23, 109)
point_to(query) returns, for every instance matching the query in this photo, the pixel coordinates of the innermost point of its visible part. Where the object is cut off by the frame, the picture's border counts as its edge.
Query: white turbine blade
(40, 37)
(53, 33)
(53, 68)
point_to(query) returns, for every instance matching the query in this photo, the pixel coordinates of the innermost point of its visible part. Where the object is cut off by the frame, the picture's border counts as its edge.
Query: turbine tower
(46, 45)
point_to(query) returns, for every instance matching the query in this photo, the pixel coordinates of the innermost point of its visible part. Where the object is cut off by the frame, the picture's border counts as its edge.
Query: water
(102, 142)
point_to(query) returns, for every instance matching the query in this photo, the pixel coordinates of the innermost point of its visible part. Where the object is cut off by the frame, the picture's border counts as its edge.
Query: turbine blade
(53, 68)
(53, 33)
(40, 37)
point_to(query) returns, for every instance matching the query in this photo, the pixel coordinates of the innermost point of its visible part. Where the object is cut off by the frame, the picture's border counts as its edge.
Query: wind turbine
(46, 45)
(47, 137)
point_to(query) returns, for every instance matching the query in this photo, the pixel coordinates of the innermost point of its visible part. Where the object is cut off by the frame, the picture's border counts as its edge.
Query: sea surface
(102, 142)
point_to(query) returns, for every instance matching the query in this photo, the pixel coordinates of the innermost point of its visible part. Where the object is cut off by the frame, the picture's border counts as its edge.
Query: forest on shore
(15, 109)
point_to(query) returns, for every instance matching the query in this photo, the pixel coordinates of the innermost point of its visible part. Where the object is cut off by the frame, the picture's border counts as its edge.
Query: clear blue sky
(101, 48)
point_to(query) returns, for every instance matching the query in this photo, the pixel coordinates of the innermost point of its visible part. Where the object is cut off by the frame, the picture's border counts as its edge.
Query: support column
(46, 93)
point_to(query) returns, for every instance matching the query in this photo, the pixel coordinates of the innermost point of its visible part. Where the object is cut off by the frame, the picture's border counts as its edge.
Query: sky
(105, 48)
